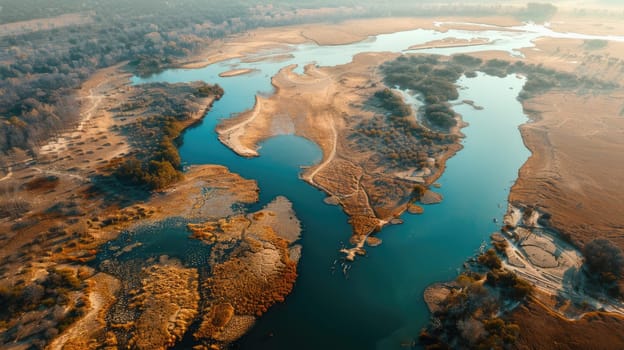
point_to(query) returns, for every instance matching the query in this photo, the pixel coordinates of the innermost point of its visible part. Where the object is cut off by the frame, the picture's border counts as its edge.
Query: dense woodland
(396, 135)
(167, 109)
(15, 10)
(40, 68)
(435, 79)
(436, 84)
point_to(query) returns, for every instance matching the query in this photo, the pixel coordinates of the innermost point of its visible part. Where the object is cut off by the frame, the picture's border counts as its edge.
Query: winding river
(377, 303)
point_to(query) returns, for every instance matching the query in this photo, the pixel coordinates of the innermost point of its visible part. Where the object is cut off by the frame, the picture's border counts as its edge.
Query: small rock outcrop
(430, 197)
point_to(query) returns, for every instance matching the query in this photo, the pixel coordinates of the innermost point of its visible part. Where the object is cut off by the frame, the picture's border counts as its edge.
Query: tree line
(156, 162)
(39, 70)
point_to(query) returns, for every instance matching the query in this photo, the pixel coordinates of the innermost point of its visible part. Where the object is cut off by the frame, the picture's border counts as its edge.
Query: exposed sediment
(75, 205)
(207, 191)
(436, 294)
(247, 263)
(150, 303)
(329, 106)
(450, 42)
(253, 265)
(168, 303)
(572, 173)
(430, 197)
(235, 72)
(576, 206)
(102, 290)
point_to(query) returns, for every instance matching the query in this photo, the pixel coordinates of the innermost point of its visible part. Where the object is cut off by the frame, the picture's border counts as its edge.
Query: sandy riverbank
(236, 72)
(71, 211)
(278, 39)
(102, 290)
(575, 141)
(592, 23)
(450, 42)
(573, 173)
(574, 138)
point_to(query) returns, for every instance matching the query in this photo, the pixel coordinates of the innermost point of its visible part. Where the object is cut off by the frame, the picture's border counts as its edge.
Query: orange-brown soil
(256, 277)
(53, 217)
(253, 265)
(573, 173)
(252, 262)
(207, 191)
(326, 105)
(541, 329)
(575, 141)
(102, 289)
(346, 32)
(168, 302)
(599, 19)
(450, 42)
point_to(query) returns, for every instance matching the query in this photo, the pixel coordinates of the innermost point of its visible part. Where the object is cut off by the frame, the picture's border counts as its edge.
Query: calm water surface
(378, 304)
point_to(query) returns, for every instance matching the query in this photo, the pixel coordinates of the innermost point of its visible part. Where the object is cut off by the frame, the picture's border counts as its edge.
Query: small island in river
(236, 72)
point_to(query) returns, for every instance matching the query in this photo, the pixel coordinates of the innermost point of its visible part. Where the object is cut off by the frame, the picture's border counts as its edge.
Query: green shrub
(393, 103)
(490, 260)
(595, 44)
(466, 60)
(537, 12)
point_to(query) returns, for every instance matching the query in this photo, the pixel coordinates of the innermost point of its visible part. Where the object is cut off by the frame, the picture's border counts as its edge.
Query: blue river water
(379, 303)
